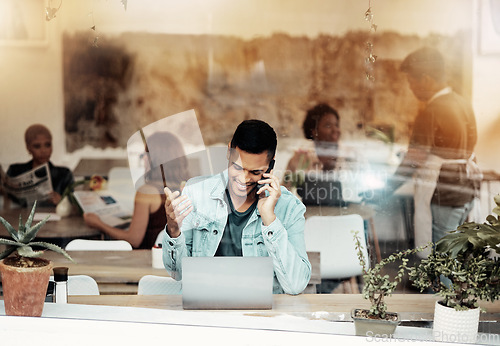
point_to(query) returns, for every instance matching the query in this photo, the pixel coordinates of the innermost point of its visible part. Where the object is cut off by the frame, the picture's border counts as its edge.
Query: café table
(119, 272)
(58, 231)
(321, 319)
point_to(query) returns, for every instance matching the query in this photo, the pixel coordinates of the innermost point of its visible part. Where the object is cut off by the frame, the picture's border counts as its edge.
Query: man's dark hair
(255, 136)
(425, 61)
(313, 116)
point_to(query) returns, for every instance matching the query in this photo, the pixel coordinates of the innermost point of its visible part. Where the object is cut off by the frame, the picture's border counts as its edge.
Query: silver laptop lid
(227, 283)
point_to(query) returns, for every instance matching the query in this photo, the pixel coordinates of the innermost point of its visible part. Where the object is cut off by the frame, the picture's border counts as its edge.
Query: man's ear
(228, 154)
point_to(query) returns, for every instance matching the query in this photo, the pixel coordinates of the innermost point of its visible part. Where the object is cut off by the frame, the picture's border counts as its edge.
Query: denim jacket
(202, 230)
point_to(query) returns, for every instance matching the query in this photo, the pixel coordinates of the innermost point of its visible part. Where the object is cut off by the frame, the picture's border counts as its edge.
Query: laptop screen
(227, 283)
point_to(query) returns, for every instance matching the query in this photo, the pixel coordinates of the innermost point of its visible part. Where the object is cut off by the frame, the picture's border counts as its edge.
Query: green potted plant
(25, 275)
(462, 270)
(376, 286)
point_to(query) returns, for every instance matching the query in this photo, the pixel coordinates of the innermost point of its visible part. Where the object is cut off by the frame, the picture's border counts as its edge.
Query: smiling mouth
(241, 186)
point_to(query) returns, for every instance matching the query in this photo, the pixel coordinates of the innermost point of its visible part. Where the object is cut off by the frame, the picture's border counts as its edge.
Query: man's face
(41, 149)
(244, 171)
(420, 87)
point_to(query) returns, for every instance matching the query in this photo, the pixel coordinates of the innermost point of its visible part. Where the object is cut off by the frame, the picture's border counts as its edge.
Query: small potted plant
(377, 286)
(462, 271)
(25, 275)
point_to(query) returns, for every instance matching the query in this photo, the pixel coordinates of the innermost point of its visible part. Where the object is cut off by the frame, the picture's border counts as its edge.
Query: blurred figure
(38, 141)
(440, 153)
(149, 216)
(320, 125)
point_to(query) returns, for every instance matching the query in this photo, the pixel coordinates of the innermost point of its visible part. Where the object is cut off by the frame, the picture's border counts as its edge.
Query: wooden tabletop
(66, 228)
(414, 307)
(118, 272)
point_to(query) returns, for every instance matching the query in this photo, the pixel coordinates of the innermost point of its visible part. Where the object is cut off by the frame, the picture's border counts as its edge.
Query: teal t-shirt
(230, 244)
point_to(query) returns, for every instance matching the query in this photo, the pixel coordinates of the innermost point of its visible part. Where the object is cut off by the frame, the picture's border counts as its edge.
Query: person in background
(321, 125)
(440, 152)
(229, 214)
(149, 218)
(38, 141)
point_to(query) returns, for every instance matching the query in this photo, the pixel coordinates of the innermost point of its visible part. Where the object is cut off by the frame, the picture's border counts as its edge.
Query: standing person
(38, 141)
(440, 152)
(228, 214)
(149, 218)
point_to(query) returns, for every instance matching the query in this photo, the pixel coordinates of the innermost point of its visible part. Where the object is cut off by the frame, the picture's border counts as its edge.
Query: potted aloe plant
(462, 270)
(25, 275)
(376, 286)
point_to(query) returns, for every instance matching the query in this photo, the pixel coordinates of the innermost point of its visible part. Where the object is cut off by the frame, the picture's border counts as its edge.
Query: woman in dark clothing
(39, 144)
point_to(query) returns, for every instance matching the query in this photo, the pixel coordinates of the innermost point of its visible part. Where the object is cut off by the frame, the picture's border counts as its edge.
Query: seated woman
(39, 144)
(149, 218)
(321, 125)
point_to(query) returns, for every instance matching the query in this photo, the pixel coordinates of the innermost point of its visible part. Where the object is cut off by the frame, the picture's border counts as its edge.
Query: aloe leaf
(30, 217)
(7, 252)
(10, 229)
(31, 233)
(10, 242)
(27, 251)
(52, 247)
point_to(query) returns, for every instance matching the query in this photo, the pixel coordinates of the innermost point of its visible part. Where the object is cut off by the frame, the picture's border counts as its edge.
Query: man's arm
(284, 240)
(176, 244)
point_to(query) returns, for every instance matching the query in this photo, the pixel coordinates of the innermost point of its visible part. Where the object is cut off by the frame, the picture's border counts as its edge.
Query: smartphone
(271, 166)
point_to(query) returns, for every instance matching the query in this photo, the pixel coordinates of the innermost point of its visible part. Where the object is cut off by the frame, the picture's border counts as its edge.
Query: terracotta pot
(451, 325)
(24, 289)
(374, 327)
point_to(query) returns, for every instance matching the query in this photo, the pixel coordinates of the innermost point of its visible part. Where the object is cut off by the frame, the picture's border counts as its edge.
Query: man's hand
(177, 207)
(266, 204)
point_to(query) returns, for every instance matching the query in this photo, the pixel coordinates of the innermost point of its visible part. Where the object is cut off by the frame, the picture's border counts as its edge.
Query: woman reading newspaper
(39, 144)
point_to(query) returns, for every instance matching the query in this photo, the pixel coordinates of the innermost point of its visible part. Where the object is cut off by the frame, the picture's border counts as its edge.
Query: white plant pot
(451, 325)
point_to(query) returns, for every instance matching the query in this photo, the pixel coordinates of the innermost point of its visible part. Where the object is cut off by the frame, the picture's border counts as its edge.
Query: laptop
(227, 283)
(319, 190)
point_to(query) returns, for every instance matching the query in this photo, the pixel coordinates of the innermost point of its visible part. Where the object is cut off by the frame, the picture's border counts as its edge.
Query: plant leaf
(27, 251)
(10, 242)
(52, 247)
(10, 229)
(31, 233)
(7, 252)
(30, 217)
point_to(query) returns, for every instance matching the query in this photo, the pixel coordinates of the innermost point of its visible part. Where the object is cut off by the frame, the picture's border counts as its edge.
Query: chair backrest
(152, 284)
(98, 245)
(332, 237)
(81, 285)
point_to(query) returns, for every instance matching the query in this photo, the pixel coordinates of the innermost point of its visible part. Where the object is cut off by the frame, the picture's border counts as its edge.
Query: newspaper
(34, 185)
(108, 209)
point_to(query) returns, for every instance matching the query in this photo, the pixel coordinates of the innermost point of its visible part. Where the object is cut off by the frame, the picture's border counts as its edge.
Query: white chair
(152, 284)
(81, 285)
(98, 245)
(332, 237)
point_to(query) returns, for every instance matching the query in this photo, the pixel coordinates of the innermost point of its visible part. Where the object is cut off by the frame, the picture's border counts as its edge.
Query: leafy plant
(460, 268)
(378, 286)
(22, 239)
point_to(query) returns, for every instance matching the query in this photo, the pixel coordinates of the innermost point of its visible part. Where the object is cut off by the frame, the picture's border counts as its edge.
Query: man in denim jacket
(228, 214)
